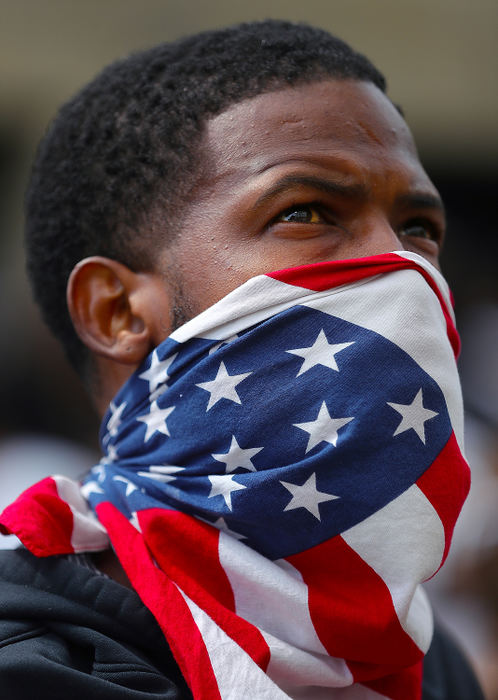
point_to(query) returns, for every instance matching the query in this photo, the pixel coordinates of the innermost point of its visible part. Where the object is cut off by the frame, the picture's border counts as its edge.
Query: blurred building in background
(440, 60)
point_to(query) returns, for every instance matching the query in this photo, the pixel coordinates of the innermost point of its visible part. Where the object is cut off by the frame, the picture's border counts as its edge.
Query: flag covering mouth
(280, 475)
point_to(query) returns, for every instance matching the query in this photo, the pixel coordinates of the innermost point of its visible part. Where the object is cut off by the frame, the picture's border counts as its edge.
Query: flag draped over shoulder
(279, 476)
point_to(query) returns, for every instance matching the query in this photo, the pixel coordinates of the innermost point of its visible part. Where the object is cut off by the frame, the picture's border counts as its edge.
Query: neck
(108, 563)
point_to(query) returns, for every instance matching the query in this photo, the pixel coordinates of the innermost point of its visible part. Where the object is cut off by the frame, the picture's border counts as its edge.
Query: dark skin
(325, 171)
(337, 154)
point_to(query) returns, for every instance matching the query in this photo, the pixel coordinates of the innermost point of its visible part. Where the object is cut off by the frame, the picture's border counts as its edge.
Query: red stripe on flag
(165, 602)
(169, 535)
(42, 521)
(449, 466)
(334, 273)
(406, 684)
(352, 609)
(325, 275)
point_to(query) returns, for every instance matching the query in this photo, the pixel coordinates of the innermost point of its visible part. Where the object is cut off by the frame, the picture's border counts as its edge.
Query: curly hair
(127, 144)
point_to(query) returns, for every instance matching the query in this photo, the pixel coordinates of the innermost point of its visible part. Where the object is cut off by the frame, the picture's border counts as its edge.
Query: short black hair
(127, 143)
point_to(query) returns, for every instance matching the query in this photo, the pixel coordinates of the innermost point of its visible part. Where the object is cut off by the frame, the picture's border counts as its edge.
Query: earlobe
(108, 310)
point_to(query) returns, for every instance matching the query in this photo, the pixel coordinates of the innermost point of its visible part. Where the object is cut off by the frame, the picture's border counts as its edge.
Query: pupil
(300, 216)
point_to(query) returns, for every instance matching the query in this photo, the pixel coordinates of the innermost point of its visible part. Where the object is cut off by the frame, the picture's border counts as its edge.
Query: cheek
(274, 253)
(208, 273)
(208, 270)
(210, 265)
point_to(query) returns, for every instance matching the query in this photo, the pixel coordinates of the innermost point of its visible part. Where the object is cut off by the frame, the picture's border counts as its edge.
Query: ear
(114, 310)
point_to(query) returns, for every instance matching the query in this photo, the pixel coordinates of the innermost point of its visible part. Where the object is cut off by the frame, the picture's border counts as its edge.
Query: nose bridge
(378, 235)
(388, 175)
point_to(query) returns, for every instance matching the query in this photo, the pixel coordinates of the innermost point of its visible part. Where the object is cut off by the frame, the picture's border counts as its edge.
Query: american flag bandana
(279, 476)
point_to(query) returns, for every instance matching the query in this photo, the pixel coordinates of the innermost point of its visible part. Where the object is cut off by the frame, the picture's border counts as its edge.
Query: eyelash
(433, 230)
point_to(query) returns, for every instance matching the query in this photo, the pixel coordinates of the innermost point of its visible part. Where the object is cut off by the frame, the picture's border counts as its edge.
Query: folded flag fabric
(278, 477)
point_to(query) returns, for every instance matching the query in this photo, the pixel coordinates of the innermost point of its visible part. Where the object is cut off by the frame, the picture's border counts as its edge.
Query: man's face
(325, 171)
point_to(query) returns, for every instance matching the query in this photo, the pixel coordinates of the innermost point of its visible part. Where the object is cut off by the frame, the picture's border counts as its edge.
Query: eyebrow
(415, 200)
(318, 183)
(422, 200)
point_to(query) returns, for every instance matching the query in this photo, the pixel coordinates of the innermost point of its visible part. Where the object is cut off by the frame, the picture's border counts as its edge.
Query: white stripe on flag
(353, 692)
(255, 301)
(272, 596)
(268, 595)
(433, 272)
(88, 534)
(236, 673)
(396, 562)
(294, 669)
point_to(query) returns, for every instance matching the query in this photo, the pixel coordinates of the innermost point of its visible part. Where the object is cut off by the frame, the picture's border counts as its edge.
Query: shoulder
(447, 673)
(63, 625)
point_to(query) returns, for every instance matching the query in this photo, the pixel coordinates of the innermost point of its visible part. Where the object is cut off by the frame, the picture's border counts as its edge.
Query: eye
(418, 228)
(300, 214)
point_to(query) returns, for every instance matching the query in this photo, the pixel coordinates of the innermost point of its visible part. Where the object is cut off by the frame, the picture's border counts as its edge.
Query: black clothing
(69, 632)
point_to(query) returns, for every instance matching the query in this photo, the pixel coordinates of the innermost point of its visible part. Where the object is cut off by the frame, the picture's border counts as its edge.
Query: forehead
(352, 122)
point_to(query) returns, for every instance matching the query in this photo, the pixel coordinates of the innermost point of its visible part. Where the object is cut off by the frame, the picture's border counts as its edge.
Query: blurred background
(441, 62)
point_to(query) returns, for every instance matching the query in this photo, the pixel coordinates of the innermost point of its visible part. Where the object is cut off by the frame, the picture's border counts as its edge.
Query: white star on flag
(320, 353)
(323, 428)
(115, 420)
(238, 457)
(158, 372)
(156, 420)
(414, 416)
(222, 343)
(307, 496)
(221, 525)
(130, 487)
(223, 485)
(134, 521)
(223, 386)
(90, 487)
(162, 473)
(112, 454)
(99, 470)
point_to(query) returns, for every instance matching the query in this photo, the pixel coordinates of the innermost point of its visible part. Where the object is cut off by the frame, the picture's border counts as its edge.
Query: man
(273, 517)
